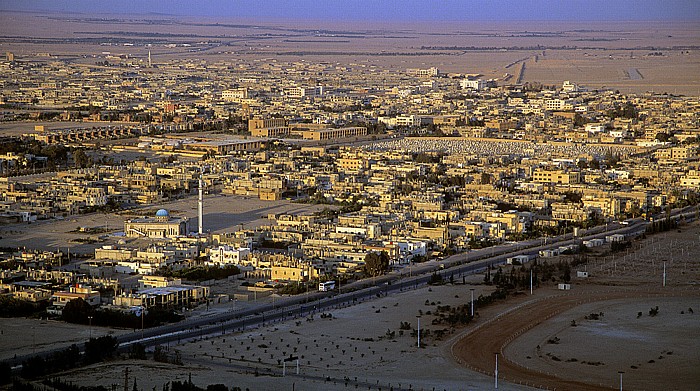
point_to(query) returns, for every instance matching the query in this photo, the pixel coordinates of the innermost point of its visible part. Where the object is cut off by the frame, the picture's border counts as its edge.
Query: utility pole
(471, 307)
(496, 372)
(620, 372)
(664, 281)
(418, 316)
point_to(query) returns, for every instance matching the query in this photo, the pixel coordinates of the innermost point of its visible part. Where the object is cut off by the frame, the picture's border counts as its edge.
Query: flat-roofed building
(675, 153)
(90, 296)
(160, 226)
(556, 176)
(227, 255)
(257, 123)
(224, 147)
(173, 296)
(332, 134)
(234, 95)
(691, 179)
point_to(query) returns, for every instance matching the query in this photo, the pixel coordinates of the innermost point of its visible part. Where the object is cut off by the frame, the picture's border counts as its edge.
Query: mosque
(158, 227)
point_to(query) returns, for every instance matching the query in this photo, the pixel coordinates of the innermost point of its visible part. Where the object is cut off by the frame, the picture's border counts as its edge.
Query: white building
(227, 255)
(430, 72)
(558, 104)
(411, 120)
(300, 92)
(595, 127)
(409, 249)
(570, 87)
(467, 84)
(234, 95)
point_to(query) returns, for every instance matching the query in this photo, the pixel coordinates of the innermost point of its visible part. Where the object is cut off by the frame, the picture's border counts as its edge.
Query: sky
(383, 10)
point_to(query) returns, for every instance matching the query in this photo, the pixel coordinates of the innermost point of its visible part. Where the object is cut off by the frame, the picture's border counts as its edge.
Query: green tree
(662, 137)
(81, 159)
(435, 279)
(5, 373)
(566, 272)
(98, 349)
(76, 311)
(376, 263)
(137, 351)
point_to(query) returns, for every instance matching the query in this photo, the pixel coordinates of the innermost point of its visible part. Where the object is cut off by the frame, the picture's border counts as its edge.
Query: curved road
(477, 349)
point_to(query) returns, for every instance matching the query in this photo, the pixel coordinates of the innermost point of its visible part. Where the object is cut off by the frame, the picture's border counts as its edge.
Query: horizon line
(336, 19)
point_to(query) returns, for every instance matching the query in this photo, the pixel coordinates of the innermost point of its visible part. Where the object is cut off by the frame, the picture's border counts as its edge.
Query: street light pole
(471, 307)
(418, 316)
(620, 372)
(664, 283)
(496, 372)
(90, 320)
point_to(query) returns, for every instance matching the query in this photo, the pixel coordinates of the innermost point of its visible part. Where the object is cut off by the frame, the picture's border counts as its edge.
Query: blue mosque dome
(162, 213)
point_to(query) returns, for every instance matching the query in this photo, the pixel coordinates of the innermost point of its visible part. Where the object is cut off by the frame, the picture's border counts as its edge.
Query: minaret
(150, 64)
(201, 205)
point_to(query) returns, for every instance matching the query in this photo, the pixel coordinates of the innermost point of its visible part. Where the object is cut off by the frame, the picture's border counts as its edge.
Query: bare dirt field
(353, 344)
(620, 286)
(654, 352)
(589, 358)
(593, 54)
(232, 213)
(664, 351)
(21, 336)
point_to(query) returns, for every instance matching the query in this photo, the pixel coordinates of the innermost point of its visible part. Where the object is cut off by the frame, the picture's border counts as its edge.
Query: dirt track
(477, 349)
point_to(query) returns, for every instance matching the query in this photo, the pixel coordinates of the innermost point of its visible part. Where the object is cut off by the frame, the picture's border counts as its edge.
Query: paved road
(313, 303)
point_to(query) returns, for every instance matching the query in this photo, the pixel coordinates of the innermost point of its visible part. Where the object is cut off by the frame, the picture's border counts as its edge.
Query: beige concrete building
(332, 134)
(270, 127)
(160, 226)
(556, 176)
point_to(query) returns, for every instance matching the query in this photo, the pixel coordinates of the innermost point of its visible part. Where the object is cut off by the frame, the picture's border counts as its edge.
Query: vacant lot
(366, 340)
(222, 213)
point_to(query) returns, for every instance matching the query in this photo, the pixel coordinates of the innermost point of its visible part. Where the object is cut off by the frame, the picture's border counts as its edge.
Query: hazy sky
(384, 10)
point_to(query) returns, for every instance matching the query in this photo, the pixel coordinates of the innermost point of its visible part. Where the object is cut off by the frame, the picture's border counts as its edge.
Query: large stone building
(160, 226)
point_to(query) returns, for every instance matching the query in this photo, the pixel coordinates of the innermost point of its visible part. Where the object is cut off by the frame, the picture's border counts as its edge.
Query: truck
(326, 286)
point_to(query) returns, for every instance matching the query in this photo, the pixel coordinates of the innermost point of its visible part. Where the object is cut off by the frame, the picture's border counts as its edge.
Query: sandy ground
(231, 212)
(597, 357)
(619, 286)
(20, 335)
(661, 352)
(596, 54)
(327, 348)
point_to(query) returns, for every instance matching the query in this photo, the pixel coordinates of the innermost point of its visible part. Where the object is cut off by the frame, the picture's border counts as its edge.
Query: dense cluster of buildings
(461, 163)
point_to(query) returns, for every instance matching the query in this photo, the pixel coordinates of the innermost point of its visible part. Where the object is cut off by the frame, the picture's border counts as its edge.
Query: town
(155, 187)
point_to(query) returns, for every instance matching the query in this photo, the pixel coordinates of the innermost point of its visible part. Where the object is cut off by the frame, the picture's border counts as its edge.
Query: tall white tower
(150, 64)
(201, 205)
